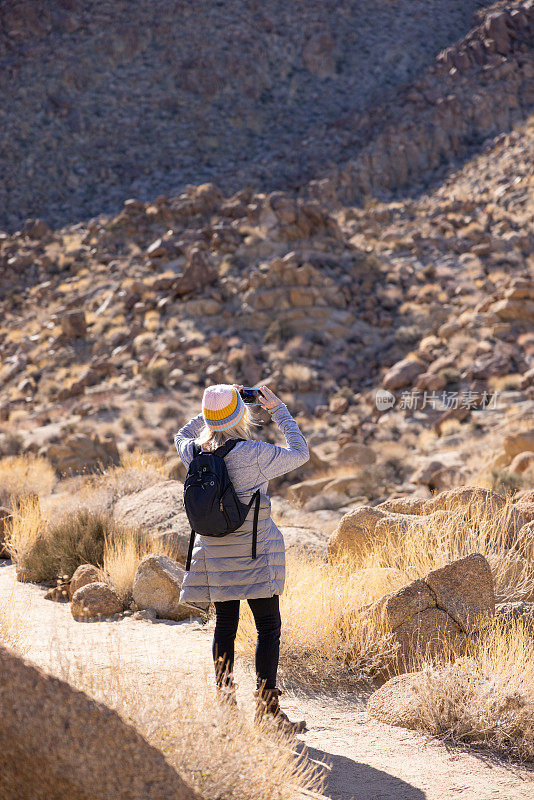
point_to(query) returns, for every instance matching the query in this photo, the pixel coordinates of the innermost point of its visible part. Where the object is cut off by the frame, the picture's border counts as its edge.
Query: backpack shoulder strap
(196, 449)
(225, 448)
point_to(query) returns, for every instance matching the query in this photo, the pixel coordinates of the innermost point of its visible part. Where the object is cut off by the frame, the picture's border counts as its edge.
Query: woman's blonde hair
(211, 440)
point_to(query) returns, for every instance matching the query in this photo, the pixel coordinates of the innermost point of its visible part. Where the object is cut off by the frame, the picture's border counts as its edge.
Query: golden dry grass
(326, 640)
(440, 538)
(485, 698)
(48, 549)
(12, 631)
(220, 753)
(27, 474)
(137, 471)
(121, 558)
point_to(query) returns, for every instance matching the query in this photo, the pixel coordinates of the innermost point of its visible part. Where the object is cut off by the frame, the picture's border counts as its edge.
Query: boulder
(300, 493)
(524, 504)
(403, 374)
(473, 499)
(427, 635)
(354, 531)
(464, 589)
(522, 461)
(95, 601)
(403, 505)
(80, 453)
(157, 585)
(5, 514)
(356, 454)
(158, 510)
(73, 324)
(516, 443)
(437, 611)
(397, 701)
(56, 742)
(84, 574)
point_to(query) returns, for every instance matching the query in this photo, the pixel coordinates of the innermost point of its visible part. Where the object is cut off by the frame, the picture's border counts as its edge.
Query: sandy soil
(368, 760)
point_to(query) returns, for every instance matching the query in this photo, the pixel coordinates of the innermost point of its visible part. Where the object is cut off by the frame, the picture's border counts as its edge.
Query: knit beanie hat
(222, 406)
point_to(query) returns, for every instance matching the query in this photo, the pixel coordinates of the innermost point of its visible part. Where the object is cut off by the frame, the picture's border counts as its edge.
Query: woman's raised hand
(269, 399)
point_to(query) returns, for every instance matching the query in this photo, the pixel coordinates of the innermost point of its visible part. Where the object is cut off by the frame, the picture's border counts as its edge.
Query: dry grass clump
(47, 549)
(21, 475)
(447, 536)
(121, 558)
(12, 633)
(326, 640)
(219, 753)
(137, 471)
(487, 697)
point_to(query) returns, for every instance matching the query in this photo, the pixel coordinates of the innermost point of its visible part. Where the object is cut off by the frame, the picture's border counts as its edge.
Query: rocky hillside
(110, 328)
(115, 327)
(105, 99)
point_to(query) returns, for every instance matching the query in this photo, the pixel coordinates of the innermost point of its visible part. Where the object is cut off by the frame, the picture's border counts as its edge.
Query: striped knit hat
(222, 406)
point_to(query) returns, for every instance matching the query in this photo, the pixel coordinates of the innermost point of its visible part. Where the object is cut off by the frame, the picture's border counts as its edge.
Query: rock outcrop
(434, 614)
(80, 453)
(56, 742)
(159, 511)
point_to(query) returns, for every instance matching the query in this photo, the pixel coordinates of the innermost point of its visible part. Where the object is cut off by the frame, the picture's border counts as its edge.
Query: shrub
(502, 480)
(46, 550)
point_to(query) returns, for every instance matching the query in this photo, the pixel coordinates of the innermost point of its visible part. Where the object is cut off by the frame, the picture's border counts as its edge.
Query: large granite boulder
(437, 611)
(158, 510)
(157, 585)
(56, 742)
(354, 531)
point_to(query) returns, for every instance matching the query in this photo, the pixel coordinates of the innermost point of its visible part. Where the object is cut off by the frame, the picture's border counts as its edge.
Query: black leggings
(268, 624)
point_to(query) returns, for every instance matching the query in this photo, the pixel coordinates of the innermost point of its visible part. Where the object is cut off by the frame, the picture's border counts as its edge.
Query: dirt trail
(369, 760)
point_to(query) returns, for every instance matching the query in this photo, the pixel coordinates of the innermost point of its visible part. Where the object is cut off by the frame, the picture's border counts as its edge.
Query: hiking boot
(267, 707)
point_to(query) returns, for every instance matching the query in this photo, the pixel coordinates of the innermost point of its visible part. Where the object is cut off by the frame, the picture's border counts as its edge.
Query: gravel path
(369, 760)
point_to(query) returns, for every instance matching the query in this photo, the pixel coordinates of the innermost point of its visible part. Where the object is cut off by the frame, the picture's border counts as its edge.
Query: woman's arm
(184, 438)
(274, 460)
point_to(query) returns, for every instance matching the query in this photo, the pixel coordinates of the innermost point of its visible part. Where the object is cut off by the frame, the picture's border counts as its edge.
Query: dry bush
(485, 698)
(28, 474)
(47, 549)
(220, 753)
(326, 640)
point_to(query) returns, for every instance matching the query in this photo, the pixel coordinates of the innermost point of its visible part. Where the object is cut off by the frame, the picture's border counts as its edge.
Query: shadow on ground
(351, 780)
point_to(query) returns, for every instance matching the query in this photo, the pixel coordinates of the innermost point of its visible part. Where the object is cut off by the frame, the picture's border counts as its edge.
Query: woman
(222, 569)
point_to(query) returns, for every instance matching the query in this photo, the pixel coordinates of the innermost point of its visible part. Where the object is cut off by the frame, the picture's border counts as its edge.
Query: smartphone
(250, 395)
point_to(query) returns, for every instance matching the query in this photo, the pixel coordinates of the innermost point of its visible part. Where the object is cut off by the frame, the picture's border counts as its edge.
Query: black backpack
(210, 500)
